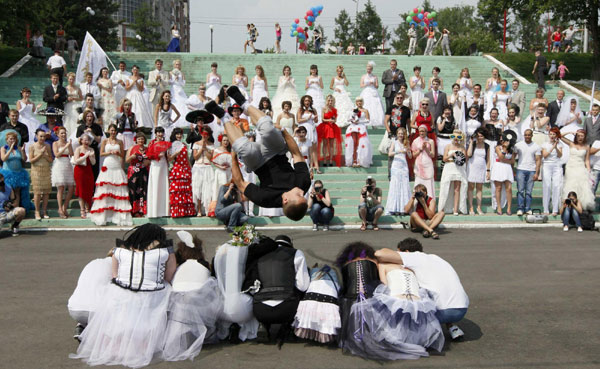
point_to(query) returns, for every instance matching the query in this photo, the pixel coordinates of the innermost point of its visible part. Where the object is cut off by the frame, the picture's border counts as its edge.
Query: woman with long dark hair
(180, 178)
(137, 176)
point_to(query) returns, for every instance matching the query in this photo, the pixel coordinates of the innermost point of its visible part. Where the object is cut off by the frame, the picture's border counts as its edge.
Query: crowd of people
(377, 304)
(118, 144)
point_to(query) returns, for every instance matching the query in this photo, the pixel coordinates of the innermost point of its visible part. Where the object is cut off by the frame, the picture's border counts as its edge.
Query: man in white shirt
(158, 81)
(89, 87)
(436, 276)
(56, 64)
(568, 40)
(119, 78)
(528, 170)
(283, 276)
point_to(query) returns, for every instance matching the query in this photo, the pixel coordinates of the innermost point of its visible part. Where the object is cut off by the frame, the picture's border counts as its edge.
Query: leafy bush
(10, 55)
(579, 64)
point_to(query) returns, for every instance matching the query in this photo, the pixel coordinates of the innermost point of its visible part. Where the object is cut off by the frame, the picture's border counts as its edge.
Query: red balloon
(425, 14)
(309, 13)
(296, 20)
(300, 30)
(416, 19)
(309, 23)
(416, 10)
(426, 20)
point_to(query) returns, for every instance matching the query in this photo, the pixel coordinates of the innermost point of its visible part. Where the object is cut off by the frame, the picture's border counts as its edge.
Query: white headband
(186, 237)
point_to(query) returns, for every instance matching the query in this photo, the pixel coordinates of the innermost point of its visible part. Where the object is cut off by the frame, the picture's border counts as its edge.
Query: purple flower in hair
(363, 254)
(350, 256)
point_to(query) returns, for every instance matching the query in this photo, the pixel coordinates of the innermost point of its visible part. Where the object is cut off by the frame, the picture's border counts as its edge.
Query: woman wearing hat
(137, 176)
(12, 155)
(453, 184)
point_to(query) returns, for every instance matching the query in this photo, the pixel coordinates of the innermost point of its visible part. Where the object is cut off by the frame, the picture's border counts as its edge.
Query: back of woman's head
(354, 250)
(139, 238)
(184, 252)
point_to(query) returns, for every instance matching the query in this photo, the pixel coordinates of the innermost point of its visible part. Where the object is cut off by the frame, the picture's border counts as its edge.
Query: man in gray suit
(158, 81)
(591, 125)
(437, 101)
(392, 79)
(518, 97)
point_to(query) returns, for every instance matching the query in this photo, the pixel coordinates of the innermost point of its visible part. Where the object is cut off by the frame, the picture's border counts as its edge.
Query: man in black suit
(554, 107)
(55, 95)
(4, 109)
(14, 124)
(437, 101)
(392, 79)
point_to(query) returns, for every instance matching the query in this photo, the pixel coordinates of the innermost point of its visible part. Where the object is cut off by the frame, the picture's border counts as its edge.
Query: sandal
(363, 227)
(83, 215)
(435, 236)
(479, 212)
(426, 234)
(318, 171)
(375, 227)
(38, 216)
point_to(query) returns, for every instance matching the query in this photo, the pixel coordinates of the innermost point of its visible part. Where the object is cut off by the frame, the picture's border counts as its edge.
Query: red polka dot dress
(180, 187)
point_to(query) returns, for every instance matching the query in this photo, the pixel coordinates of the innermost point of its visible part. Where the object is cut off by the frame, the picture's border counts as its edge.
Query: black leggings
(278, 314)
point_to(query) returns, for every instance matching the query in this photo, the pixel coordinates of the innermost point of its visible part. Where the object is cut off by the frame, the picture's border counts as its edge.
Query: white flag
(92, 58)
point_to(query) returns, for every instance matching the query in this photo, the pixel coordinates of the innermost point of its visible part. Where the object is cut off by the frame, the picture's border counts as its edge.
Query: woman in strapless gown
(465, 83)
(417, 84)
(286, 120)
(343, 103)
(111, 198)
(400, 317)
(371, 97)
(139, 104)
(74, 98)
(107, 99)
(258, 87)
(286, 91)
(213, 82)
(240, 80)
(501, 99)
(577, 171)
(314, 88)
(178, 95)
(453, 184)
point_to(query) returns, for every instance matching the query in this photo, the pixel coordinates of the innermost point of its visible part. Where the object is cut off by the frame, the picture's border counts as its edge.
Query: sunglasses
(424, 104)
(460, 137)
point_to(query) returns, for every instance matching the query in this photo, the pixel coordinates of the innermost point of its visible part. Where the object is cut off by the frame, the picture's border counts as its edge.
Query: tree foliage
(47, 15)
(370, 29)
(343, 31)
(147, 28)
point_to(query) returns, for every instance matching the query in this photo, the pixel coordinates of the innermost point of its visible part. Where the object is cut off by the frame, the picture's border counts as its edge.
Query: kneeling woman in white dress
(195, 303)
(128, 325)
(358, 146)
(453, 185)
(399, 192)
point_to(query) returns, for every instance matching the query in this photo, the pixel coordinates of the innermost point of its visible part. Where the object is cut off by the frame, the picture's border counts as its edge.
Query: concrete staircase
(343, 183)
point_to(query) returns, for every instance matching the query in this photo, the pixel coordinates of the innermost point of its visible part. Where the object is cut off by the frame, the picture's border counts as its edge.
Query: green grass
(579, 65)
(10, 55)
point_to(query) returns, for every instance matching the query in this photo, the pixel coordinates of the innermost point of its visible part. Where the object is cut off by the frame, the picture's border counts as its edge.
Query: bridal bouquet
(244, 235)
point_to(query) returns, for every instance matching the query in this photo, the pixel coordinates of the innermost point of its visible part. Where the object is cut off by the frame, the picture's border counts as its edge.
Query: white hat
(187, 238)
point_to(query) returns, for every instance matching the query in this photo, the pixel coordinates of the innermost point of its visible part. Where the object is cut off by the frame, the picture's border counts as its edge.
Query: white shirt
(438, 277)
(56, 61)
(553, 157)
(595, 159)
(89, 89)
(118, 75)
(302, 276)
(569, 33)
(191, 275)
(527, 154)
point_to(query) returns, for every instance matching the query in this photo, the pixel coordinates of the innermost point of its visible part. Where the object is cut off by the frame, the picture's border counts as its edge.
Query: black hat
(51, 111)
(509, 135)
(283, 240)
(234, 106)
(201, 114)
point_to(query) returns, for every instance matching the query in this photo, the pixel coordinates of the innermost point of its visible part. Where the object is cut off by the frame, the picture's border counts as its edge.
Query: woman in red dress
(330, 135)
(180, 178)
(84, 159)
(137, 176)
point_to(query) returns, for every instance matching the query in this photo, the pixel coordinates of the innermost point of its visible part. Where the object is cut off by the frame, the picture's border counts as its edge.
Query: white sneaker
(455, 332)
(529, 212)
(519, 212)
(315, 227)
(566, 228)
(325, 228)
(579, 229)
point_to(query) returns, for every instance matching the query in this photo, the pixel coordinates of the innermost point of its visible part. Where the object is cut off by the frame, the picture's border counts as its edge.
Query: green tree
(527, 30)
(370, 29)
(71, 14)
(147, 28)
(492, 14)
(343, 31)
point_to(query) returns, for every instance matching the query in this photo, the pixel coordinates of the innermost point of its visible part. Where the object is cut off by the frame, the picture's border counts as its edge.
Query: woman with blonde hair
(343, 103)
(40, 157)
(453, 184)
(372, 100)
(178, 95)
(74, 98)
(240, 79)
(329, 135)
(358, 146)
(258, 87)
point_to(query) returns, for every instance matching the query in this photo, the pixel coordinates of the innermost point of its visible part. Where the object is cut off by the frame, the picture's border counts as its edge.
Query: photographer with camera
(229, 208)
(321, 208)
(370, 208)
(10, 212)
(571, 209)
(422, 213)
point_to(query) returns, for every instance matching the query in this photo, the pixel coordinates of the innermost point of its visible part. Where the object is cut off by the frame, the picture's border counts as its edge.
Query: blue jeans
(569, 213)
(524, 188)
(451, 315)
(596, 179)
(233, 215)
(317, 47)
(320, 214)
(370, 211)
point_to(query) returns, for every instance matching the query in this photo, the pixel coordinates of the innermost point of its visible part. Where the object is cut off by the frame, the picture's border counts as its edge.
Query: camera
(369, 188)
(568, 201)
(8, 206)
(419, 194)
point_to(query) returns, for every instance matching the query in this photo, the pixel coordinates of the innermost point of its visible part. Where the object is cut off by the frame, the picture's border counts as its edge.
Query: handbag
(384, 145)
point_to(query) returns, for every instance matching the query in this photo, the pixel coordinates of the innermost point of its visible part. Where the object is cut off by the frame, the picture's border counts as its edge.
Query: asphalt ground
(534, 300)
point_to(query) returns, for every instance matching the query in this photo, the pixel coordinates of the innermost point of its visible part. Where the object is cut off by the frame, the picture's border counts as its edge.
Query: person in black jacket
(554, 107)
(55, 95)
(198, 118)
(4, 109)
(14, 123)
(89, 126)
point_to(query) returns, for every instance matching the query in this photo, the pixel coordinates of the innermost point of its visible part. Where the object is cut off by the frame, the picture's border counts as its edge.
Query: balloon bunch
(419, 17)
(302, 33)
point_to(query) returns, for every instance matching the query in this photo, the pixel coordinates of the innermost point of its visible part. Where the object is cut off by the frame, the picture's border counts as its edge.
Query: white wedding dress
(71, 120)
(286, 91)
(416, 93)
(213, 87)
(26, 117)
(453, 172)
(140, 105)
(316, 92)
(578, 180)
(343, 103)
(399, 192)
(258, 91)
(372, 101)
(178, 97)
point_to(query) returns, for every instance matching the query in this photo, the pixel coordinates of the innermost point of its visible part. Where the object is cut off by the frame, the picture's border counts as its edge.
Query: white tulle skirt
(178, 99)
(344, 107)
(318, 99)
(202, 186)
(453, 172)
(128, 329)
(62, 172)
(111, 197)
(88, 294)
(192, 321)
(364, 153)
(391, 328)
(285, 94)
(373, 104)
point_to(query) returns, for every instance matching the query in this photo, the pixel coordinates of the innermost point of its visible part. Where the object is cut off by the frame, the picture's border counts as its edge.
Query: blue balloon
(422, 23)
(413, 22)
(435, 24)
(294, 25)
(301, 35)
(319, 7)
(292, 34)
(311, 19)
(420, 16)
(314, 10)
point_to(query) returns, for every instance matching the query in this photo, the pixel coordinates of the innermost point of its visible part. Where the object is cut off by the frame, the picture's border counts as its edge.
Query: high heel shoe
(45, 216)
(479, 211)
(37, 216)
(83, 215)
